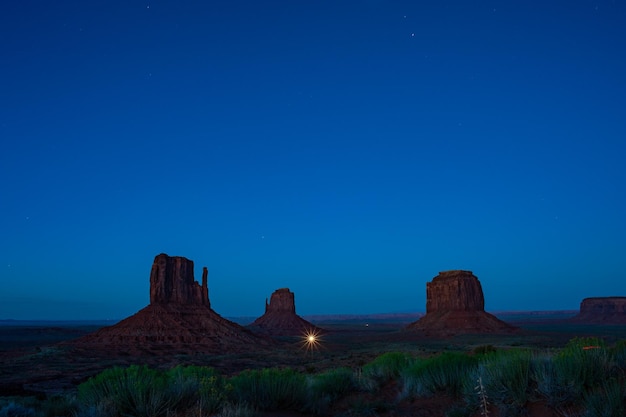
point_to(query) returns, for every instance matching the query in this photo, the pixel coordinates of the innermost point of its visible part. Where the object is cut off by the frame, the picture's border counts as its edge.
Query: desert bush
(582, 365)
(270, 389)
(506, 380)
(13, 409)
(197, 387)
(365, 408)
(101, 409)
(446, 372)
(136, 390)
(484, 350)
(619, 355)
(547, 383)
(605, 401)
(236, 410)
(327, 387)
(387, 366)
(58, 406)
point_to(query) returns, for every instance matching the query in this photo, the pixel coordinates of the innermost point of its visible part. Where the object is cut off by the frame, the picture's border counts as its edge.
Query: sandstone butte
(280, 318)
(179, 319)
(602, 310)
(455, 305)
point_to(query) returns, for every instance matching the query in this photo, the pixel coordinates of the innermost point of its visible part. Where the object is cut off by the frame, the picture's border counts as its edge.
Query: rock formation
(178, 319)
(455, 304)
(172, 282)
(280, 317)
(602, 310)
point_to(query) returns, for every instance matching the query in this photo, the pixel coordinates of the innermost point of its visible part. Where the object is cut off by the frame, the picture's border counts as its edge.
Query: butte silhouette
(178, 319)
(455, 305)
(602, 310)
(280, 318)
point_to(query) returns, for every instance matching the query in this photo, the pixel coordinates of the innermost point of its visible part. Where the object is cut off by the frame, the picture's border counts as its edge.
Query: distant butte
(179, 319)
(280, 318)
(602, 310)
(455, 305)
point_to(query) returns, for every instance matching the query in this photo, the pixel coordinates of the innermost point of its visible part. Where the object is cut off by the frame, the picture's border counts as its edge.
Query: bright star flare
(311, 340)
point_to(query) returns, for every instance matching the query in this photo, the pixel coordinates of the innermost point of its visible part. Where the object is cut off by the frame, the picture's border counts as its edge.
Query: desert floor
(35, 361)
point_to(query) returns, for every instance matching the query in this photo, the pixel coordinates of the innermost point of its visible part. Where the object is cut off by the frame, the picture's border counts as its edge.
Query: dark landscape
(405, 208)
(50, 360)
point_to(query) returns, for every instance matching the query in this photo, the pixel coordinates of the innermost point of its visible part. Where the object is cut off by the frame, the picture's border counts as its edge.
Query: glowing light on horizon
(591, 347)
(311, 340)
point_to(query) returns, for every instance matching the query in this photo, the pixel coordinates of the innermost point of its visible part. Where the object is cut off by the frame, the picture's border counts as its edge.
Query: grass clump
(367, 408)
(136, 390)
(383, 369)
(197, 387)
(619, 355)
(484, 350)
(14, 409)
(607, 400)
(326, 388)
(446, 372)
(548, 384)
(505, 379)
(59, 405)
(236, 410)
(581, 366)
(270, 389)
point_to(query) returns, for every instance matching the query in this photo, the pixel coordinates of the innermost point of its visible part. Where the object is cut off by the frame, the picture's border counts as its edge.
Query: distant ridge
(398, 317)
(602, 310)
(14, 322)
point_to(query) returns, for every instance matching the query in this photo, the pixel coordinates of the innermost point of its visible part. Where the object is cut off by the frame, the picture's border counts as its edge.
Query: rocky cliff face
(602, 310)
(172, 282)
(280, 317)
(454, 290)
(455, 304)
(282, 300)
(179, 319)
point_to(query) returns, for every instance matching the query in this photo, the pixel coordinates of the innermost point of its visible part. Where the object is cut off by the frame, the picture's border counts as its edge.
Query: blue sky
(348, 150)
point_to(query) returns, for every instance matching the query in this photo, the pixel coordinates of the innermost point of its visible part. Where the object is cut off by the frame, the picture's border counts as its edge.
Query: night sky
(349, 150)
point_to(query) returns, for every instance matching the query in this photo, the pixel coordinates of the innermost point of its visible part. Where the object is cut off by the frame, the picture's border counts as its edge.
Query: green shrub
(13, 409)
(582, 365)
(59, 406)
(136, 390)
(619, 354)
(388, 365)
(365, 408)
(484, 350)
(102, 409)
(270, 389)
(506, 379)
(547, 382)
(605, 401)
(327, 387)
(382, 369)
(236, 410)
(446, 372)
(197, 387)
